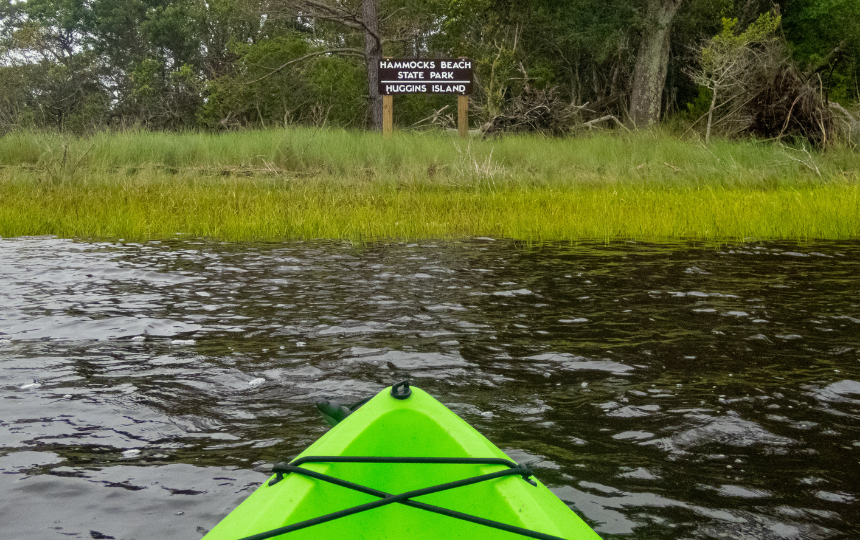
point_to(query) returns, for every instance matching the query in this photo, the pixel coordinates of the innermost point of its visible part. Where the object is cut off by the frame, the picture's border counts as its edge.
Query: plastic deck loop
(403, 498)
(401, 390)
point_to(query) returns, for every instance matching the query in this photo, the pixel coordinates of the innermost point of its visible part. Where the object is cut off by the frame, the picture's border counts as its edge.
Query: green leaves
(825, 38)
(173, 64)
(730, 44)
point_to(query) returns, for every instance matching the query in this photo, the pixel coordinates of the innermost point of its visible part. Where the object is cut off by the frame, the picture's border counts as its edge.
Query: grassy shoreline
(331, 184)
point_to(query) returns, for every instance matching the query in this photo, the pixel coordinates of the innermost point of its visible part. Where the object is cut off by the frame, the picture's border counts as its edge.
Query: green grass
(309, 184)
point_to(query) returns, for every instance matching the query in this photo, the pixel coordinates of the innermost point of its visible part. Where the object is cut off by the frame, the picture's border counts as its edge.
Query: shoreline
(356, 186)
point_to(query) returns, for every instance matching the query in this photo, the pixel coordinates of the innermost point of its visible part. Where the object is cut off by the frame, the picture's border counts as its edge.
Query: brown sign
(420, 76)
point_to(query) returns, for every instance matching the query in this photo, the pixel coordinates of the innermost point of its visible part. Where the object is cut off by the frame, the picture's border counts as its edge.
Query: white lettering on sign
(413, 64)
(447, 88)
(412, 75)
(459, 64)
(405, 88)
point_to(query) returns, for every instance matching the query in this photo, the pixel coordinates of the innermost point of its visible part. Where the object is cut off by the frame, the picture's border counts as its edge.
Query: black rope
(428, 507)
(403, 498)
(279, 468)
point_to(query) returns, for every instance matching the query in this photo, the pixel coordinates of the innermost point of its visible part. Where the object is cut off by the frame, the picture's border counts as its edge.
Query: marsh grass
(313, 184)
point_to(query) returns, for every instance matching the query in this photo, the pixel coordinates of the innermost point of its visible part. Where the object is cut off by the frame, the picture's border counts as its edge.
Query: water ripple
(663, 391)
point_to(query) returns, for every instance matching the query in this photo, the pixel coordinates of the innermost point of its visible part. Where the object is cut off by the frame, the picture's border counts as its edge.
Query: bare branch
(591, 123)
(305, 57)
(392, 14)
(322, 10)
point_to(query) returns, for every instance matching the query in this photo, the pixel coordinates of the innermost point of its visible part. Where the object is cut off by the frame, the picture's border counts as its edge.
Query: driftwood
(591, 123)
(534, 111)
(437, 119)
(542, 111)
(852, 123)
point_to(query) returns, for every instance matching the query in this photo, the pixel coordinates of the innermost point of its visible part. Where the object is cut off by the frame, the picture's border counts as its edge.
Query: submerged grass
(310, 184)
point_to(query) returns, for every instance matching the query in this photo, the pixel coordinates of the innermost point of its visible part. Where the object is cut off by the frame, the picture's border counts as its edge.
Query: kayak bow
(402, 466)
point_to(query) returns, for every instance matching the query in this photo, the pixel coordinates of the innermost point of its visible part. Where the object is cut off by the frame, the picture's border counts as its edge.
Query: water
(672, 392)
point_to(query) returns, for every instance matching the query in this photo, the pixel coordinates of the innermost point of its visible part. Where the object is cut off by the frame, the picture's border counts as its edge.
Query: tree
(372, 55)
(390, 24)
(316, 89)
(652, 61)
(41, 45)
(825, 41)
(732, 61)
(168, 64)
(363, 17)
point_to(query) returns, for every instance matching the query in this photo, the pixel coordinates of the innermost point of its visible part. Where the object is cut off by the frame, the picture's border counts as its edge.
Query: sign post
(463, 115)
(433, 76)
(387, 115)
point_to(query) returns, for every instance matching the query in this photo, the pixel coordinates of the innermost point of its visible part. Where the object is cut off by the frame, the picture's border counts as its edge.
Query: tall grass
(305, 183)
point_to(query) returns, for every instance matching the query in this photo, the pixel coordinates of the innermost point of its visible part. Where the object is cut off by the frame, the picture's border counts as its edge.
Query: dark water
(663, 392)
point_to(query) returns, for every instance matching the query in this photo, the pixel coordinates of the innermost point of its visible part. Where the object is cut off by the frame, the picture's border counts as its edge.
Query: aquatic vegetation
(306, 183)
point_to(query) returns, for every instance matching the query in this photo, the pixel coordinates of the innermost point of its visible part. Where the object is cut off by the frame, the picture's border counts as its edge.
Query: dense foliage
(82, 65)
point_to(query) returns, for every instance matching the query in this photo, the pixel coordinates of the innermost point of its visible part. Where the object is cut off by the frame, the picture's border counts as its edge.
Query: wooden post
(387, 115)
(463, 115)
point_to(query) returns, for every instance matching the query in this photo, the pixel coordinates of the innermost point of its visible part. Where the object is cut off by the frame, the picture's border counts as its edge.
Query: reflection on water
(663, 392)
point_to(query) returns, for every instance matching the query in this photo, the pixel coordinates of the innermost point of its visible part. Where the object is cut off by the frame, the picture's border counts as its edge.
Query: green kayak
(402, 466)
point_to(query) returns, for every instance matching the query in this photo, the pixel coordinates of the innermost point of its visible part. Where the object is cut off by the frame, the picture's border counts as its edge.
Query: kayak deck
(415, 427)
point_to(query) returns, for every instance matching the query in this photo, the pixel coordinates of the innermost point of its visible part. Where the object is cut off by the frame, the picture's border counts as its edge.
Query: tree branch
(305, 57)
(332, 13)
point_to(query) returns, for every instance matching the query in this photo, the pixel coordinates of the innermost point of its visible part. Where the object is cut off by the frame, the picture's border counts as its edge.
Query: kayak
(401, 467)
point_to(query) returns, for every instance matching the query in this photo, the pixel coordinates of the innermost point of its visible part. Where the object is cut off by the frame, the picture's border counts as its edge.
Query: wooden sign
(425, 76)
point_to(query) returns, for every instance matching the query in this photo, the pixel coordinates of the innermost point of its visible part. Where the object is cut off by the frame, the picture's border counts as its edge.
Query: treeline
(787, 68)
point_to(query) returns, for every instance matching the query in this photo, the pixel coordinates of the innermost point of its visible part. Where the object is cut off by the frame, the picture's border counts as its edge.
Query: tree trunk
(652, 63)
(373, 54)
(711, 115)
